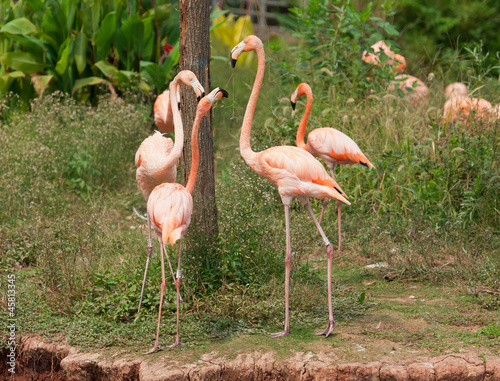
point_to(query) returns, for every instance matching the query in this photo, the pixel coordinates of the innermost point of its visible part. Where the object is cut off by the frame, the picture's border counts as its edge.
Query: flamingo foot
(154, 349)
(280, 334)
(328, 329)
(177, 343)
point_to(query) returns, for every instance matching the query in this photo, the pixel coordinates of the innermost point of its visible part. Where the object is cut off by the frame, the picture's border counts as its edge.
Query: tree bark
(194, 49)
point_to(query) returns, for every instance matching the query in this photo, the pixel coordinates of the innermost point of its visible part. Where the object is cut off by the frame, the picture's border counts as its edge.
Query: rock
(320, 373)
(358, 372)
(207, 372)
(421, 372)
(241, 369)
(457, 368)
(492, 372)
(394, 373)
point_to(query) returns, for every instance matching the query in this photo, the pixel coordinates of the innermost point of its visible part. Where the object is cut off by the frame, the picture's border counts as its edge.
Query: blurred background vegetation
(77, 92)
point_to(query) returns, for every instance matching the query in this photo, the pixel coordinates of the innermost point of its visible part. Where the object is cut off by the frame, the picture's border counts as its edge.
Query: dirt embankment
(38, 360)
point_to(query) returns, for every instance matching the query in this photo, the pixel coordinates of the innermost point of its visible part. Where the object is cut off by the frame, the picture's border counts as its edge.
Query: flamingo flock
(294, 170)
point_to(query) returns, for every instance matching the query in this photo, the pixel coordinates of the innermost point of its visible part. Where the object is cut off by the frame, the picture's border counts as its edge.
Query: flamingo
(396, 60)
(157, 158)
(333, 146)
(420, 90)
(461, 107)
(170, 205)
(294, 171)
(456, 89)
(163, 112)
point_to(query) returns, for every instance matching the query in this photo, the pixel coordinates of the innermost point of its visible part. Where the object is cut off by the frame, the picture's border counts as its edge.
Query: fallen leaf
(369, 282)
(379, 325)
(412, 297)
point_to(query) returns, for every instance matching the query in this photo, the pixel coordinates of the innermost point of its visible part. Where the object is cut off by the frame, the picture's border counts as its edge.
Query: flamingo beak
(198, 89)
(236, 51)
(213, 96)
(293, 104)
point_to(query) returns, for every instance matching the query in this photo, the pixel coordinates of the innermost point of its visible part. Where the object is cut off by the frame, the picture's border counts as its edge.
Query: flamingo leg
(325, 204)
(150, 251)
(329, 252)
(157, 346)
(339, 207)
(288, 258)
(177, 286)
(172, 273)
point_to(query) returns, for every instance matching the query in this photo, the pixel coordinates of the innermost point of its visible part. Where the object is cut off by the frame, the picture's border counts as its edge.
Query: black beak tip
(179, 105)
(199, 97)
(293, 105)
(233, 63)
(224, 93)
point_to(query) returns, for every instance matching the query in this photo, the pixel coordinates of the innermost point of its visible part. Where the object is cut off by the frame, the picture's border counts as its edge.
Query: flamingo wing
(334, 146)
(296, 172)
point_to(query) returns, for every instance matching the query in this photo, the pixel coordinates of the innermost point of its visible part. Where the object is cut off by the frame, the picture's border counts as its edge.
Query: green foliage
(331, 38)
(68, 46)
(447, 27)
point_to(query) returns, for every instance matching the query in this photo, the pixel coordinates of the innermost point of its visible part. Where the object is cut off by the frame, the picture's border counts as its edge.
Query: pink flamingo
(170, 205)
(396, 60)
(163, 113)
(456, 89)
(333, 146)
(420, 90)
(157, 158)
(294, 171)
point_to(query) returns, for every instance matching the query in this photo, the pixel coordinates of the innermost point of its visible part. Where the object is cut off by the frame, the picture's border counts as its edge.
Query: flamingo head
(189, 79)
(250, 43)
(302, 89)
(206, 102)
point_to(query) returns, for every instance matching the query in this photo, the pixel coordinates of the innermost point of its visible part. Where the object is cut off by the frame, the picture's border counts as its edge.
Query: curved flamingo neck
(176, 152)
(300, 141)
(246, 128)
(195, 152)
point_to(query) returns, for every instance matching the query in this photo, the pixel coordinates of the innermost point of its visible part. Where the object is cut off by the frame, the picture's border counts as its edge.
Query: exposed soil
(38, 360)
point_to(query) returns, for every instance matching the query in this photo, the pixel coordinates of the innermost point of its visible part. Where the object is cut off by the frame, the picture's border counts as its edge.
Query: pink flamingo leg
(157, 346)
(325, 204)
(150, 251)
(339, 208)
(172, 273)
(329, 252)
(288, 257)
(178, 286)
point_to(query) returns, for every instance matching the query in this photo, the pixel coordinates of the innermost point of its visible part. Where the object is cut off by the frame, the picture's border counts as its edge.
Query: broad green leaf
(30, 43)
(40, 83)
(54, 24)
(22, 61)
(36, 5)
(107, 69)
(155, 74)
(19, 26)
(162, 12)
(149, 39)
(131, 39)
(89, 81)
(6, 80)
(105, 36)
(81, 51)
(63, 62)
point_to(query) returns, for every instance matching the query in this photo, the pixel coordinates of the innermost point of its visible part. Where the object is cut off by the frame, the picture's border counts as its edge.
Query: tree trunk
(194, 51)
